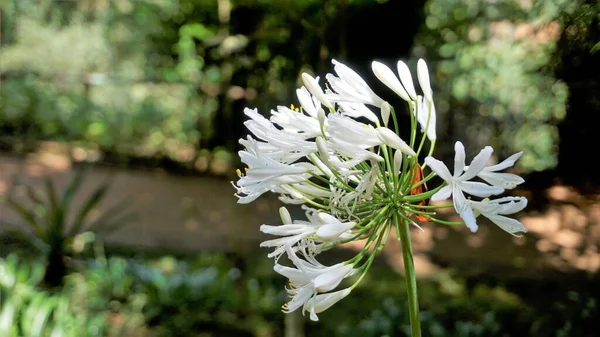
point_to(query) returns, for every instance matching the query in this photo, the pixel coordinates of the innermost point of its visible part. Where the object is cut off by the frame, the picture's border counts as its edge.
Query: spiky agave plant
(51, 223)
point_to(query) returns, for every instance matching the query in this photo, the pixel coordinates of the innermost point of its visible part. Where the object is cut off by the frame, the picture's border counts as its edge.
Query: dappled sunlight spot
(201, 164)
(423, 265)
(34, 170)
(545, 245)
(568, 238)
(475, 241)
(589, 261)
(3, 186)
(561, 193)
(220, 166)
(81, 154)
(568, 253)
(236, 92)
(545, 225)
(422, 239)
(574, 217)
(55, 161)
(594, 213)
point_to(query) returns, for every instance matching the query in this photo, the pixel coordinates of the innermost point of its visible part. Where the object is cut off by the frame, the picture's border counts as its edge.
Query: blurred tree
(498, 71)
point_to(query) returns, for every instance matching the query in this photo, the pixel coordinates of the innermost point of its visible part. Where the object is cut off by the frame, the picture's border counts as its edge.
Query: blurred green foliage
(495, 70)
(209, 295)
(88, 71)
(169, 79)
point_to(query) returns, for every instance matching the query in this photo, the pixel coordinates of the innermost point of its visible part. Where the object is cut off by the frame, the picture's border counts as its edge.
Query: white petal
(332, 278)
(391, 139)
(506, 163)
(332, 231)
(509, 225)
(469, 218)
(323, 302)
(423, 76)
(313, 86)
(385, 113)
(286, 229)
(443, 194)
(459, 159)
(285, 216)
(387, 77)
(480, 189)
(478, 163)
(322, 148)
(504, 180)
(353, 79)
(298, 277)
(510, 205)
(406, 80)
(303, 295)
(426, 117)
(357, 110)
(439, 168)
(306, 102)
(463, 208)
(397, 162)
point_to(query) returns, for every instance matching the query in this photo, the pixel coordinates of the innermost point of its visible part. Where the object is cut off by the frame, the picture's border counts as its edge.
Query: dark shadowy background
(119, 122)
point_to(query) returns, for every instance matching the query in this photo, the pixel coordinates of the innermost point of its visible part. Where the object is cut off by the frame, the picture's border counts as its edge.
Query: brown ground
(200, 213)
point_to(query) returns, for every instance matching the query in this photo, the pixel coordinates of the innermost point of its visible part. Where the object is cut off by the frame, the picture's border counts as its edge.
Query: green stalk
(411, 279)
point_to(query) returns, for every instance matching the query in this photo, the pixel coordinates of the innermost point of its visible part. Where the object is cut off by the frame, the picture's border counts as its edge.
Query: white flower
(264, 173)
(351, 138)
(309, 103)
(496, 209)
(350, 87)
(282, 146)
(386, 110)
(331, 228)
(459, 182)
(309, 278)
(397, 162)
(357, 110)
(319, 226)
(424, 110)
(391, 139)
(297, 124)
(504, 180)
(423, 76)
(312, 85)
(323, 302)
(406, 80)
(387, 77)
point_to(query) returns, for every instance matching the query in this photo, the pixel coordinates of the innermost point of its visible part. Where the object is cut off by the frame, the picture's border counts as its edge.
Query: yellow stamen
(238, 172)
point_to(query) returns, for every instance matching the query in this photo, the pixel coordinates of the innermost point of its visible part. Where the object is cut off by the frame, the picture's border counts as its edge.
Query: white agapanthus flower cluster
(356, 179)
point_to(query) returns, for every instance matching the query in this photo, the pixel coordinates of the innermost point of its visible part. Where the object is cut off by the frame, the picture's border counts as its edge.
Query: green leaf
(73, 187)
(89, 205)
(27, 215)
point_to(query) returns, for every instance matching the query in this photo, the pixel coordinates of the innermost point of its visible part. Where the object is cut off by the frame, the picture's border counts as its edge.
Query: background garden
(119, 122)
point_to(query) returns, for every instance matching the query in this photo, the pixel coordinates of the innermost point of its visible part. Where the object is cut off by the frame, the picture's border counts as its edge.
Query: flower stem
(411, 279)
